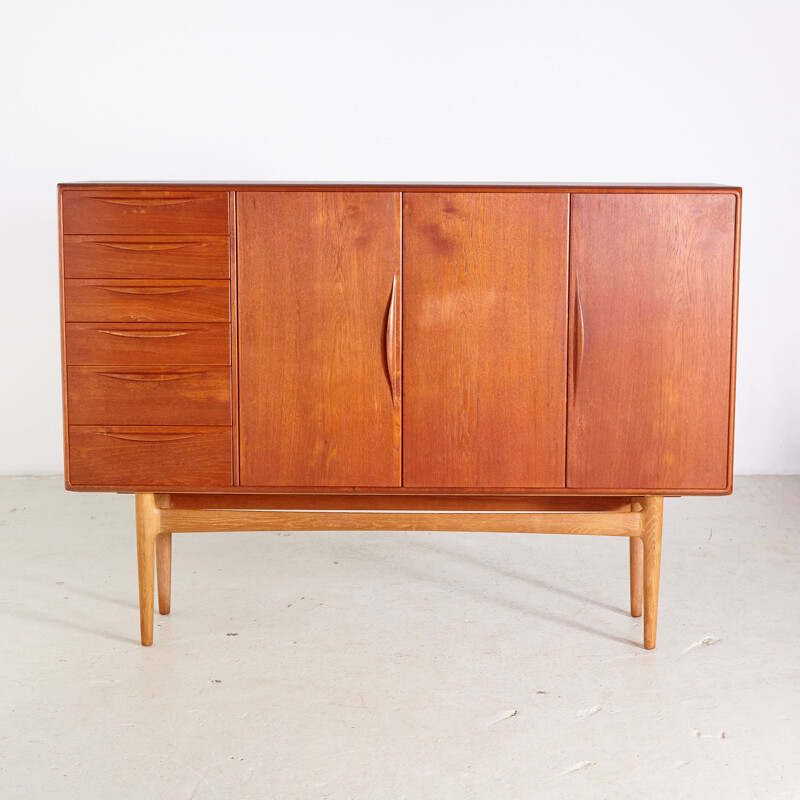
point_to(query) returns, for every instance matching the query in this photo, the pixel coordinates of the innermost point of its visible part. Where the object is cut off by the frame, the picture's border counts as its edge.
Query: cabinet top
(410, 187)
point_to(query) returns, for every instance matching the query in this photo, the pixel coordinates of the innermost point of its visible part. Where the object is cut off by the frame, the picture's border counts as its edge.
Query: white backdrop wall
(568, 90)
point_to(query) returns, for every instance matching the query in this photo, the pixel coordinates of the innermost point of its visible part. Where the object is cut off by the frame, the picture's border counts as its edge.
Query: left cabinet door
(319, 296)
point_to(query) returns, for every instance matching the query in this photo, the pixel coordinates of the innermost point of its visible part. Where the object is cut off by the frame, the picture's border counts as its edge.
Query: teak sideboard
(548, 359)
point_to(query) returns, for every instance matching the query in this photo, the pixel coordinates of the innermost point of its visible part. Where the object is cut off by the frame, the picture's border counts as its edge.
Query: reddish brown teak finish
(652, 293)
(146, 303)
(318, 323)
(557, 339)
(161, 343)
(145, 211)
(181, 456)
(485, 343)
(459, 348)
(138, 257)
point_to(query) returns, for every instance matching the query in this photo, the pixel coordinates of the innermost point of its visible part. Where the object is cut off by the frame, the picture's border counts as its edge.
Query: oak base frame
(158, 516)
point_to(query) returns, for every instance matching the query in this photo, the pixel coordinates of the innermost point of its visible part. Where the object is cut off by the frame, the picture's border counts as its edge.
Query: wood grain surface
(316, 274)
(147, 531)
(148, 456)
(419, 186)
(485, 319)
(650, 524)
(388, 502)
(132, 210)
(154, 216)
(142, 257)
(134, 395)
(565, 522)
(652, 298)
(146, 301)
(155, 343)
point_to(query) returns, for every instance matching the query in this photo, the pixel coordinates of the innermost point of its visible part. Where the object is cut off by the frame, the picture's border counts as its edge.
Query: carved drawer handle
(149, 376)
(145, 201)
(147, 247)
(580, 337)
(146, 289)
(145, 334)
(389, 342)
(150, 437)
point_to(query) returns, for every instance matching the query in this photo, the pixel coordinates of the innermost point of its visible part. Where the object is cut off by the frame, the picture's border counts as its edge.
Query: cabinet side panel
(485, 329)
(317, 272)
(653, 284)
(63, 320)
(234, 340)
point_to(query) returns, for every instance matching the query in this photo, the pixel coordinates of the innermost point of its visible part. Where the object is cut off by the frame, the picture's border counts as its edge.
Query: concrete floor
(393, 665)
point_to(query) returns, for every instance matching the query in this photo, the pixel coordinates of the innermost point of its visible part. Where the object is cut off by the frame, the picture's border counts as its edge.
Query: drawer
(147, 301)
(143, 211)
(122, 343)
(150, 456)
(149, 395)
(146, 257)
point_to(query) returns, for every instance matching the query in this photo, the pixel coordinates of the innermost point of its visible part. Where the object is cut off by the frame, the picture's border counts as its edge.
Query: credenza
(522, 358)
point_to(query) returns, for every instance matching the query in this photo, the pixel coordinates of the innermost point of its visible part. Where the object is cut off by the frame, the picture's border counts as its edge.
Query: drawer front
(144, 211)
(147, 301)
(150, 456)
(149, 395)
(157, 343)
(146, 257)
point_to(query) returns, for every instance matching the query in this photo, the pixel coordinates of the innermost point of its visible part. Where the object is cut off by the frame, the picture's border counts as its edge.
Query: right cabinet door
(652, 302)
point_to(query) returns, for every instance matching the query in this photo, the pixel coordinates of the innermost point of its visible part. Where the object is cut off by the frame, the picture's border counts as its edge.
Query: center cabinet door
(485, 339)
(319, 327)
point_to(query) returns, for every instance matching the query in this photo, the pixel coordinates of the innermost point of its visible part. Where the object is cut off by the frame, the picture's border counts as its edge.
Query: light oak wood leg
(652, 515)
(164, 571)
(637, 578)
(147, 528)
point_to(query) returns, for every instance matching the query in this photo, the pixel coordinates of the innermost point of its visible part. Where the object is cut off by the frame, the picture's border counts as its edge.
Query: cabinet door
(318, 280)
(650, 379)
(485, 339)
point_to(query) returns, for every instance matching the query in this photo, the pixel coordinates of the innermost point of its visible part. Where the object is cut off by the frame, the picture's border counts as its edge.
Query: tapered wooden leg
(636, 559)
(147, 527)
(652, 515)
(164, 570)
